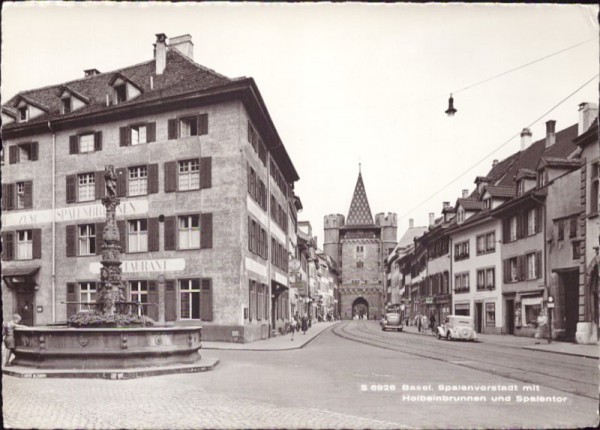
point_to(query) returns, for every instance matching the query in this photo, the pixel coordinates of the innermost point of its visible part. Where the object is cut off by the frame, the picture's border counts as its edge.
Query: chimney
(587, 113)
(431, 219)
(446, 205)
(411, 223)
(465, 194)
(494, 163)
(550, 133)
(525, 138)
(160, 53)
(183, 44)
(91, 72)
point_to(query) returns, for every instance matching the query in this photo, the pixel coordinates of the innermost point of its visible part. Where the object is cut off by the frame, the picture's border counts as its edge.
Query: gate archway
(360, 307)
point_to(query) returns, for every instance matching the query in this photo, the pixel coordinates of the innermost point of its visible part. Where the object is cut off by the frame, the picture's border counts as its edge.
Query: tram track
(474, 361)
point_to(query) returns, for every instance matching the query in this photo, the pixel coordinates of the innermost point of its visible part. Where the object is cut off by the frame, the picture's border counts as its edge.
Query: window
(359, 264)
(532, 222)
(189, 175)
(533, 265)
(520, 187)
(188, 127)
(560, 227)
(87, 293)
(138, 181)
(461, 251)
(512, 271)
(138, 292)
(460, 216)
(531, 313)
(486, 279)
(87, 239)
(189, 295)
(594, 188)
(542, 177)
(86, 190)
(490, 314)
(487, 203)
(20, 195)
(576, 250)
(138, 134)
(573, 226)
(66, 105)
(513, 228)
(486, 243)
(189, 232)
(461, 282)
(23, 114)
(86, 143)
(121, 93)
(137, 235)
(24, 245)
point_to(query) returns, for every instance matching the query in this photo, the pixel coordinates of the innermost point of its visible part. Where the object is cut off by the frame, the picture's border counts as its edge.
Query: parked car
(457, 327)
(391, 321)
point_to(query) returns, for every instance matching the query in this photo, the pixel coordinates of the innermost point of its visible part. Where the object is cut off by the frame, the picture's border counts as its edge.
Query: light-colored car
(457, 327)
(391, 321)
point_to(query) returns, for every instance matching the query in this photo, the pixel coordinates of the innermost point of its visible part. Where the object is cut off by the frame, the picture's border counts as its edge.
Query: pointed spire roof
(360, 212)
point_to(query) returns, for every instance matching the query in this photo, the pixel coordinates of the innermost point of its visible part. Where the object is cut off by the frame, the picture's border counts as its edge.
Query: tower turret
(331, 244)
(389, 230)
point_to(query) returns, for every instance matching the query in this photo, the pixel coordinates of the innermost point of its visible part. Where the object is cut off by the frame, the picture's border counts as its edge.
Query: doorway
(570, 283)
(510, 316)
(25, 307)
(478, 316)
(360, 308)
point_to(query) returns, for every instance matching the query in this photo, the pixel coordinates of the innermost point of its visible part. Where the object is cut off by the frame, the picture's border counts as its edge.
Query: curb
(111, 374)
(273, 349)
(572, 354)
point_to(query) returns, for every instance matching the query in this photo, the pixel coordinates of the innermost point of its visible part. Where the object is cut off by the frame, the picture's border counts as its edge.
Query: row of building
(208, 215)
(523, 241)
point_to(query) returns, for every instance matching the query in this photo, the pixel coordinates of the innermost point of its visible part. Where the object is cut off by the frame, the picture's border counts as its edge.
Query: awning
(19, 271)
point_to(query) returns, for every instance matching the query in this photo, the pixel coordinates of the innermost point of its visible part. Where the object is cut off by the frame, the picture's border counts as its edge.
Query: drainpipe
(53, 222)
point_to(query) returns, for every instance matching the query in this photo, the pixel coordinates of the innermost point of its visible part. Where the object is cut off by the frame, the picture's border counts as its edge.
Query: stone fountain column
(111, 290)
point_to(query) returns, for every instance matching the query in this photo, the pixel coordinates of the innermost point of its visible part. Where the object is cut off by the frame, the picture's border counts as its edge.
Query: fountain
(115, 334)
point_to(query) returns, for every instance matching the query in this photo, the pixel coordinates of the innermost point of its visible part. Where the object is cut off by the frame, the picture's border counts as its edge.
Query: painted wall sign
(73, 213)
(156, 265)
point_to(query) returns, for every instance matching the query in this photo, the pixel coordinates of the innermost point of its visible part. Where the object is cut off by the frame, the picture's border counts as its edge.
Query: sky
(347, 83)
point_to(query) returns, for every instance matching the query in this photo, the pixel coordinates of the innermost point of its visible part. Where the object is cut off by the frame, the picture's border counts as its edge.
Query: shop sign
(429, 300)
(140, 266)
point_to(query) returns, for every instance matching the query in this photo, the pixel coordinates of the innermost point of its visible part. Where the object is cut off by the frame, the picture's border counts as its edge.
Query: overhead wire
(498, 148)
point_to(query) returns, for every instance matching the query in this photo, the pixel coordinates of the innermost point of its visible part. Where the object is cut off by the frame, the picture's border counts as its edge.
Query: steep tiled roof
(559, 162)
(360, 212)
(470, 204)
(181, 76)
(530, 156)
(501, 190)
(526, 173)
(409, 236)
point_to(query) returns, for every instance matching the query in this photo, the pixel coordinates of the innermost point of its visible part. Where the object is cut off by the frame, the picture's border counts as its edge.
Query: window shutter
(8, 246)
(505, 269)
(122, 235)
(100, 185)
(172, 129)
(152, 178)
(538, 264)
(121, 182)
(151, 132)
(152, 309)
(34, 151)
(505, 230)
(99, 232)
(250, 234)
(36, 243)
(98, 141)
(10, 196)
(205, 172)
(13, 154)
(71, 240)
(71, 297)
(170, 301)
(123, 136)
(153, 240)
(525, 229)
(202, 124)
(170, 176)
(521, 267)
(71, 188)
(28, 194)
(170, 238)
(4, 196)
(73, 144)
(538, 219)
(206, 232)
(206, 300)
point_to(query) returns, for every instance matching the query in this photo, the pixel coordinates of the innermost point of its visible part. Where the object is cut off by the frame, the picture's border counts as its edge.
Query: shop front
(462, 308)
(23, 285)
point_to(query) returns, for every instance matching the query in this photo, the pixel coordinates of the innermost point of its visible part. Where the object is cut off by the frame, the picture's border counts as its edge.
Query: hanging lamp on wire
(450, 111)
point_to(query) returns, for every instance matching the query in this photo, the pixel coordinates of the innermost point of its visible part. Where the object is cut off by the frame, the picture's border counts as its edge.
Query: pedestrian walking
(293, 327)
(8, 335)
(541, 326)
(304, 324)
(419, 322)
(432, 323)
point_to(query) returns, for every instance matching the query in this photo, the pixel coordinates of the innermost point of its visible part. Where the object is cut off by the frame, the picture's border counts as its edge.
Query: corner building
(205, 186)
(359, 246)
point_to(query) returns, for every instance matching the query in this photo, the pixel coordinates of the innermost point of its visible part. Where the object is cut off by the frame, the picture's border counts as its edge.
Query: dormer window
(460, 216)
(487, 203)
(66, 105)
(23, 114)
(541, 178)
(121, 93)
(520, 187)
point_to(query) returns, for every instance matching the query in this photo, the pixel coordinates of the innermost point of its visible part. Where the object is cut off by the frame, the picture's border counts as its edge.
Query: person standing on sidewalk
(419, 322)
(432, 323)
(293, 327)
(542, 324)
(304, 324)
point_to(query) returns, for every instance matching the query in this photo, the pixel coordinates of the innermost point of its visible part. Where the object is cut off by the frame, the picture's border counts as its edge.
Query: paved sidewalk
(277, 343)
(567, 348)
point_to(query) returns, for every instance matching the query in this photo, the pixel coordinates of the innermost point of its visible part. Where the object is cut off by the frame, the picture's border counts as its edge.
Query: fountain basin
(106, 348)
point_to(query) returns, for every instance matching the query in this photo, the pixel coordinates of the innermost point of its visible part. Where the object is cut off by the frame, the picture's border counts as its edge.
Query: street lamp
(450, 111)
